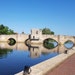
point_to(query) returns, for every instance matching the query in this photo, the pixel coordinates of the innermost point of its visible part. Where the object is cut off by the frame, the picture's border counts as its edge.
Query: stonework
(61, 39)
(36, 36)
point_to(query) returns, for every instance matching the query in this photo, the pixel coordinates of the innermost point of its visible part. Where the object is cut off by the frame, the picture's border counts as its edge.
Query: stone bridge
(16, 37)
(36, 36)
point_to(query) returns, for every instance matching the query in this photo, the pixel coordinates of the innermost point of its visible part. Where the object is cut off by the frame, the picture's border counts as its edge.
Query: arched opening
(50, 43)
(68, 44)
(27, 42)
(11, 41)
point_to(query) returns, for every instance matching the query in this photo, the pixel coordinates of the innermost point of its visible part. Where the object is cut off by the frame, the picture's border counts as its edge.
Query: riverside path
(65, 68)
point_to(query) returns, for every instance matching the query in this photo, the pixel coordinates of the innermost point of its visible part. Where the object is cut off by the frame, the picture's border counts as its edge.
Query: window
(33, 37)
(36, 32)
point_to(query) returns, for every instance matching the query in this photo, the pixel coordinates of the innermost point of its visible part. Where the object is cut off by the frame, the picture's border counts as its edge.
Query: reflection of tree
(49, 43)
(45, 53)
(4, 52)
(11, 41)
(68, 42)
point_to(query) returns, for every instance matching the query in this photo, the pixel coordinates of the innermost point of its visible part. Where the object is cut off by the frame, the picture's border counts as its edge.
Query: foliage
(11, 41)
(48, 43)
(5, 30)
(4, 52)
(47, 31)
(68, 41)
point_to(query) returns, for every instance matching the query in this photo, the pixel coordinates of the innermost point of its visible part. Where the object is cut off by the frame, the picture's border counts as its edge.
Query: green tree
(47, 31)
(5, 30)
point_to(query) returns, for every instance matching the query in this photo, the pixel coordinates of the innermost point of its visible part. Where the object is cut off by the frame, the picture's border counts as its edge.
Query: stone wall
(17, 37)
(36, 36)
(61, 39)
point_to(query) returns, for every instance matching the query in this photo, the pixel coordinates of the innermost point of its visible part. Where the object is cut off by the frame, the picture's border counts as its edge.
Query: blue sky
(23, 15)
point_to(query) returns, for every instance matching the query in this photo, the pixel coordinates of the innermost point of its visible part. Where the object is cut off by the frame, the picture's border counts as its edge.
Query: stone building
(36, 33)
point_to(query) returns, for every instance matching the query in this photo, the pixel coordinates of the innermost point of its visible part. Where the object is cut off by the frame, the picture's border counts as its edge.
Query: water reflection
(42, 50)
(4, 53)
(68, 44)
(17, 56)
(11, 41)
(50, 43)
(34, 50)
(20, 56)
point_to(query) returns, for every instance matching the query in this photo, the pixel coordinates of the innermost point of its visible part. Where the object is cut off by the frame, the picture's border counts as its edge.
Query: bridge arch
(17, 37)
(11, 41)
(69, 44)
(64, 38)
(50, 43)
(55, 37)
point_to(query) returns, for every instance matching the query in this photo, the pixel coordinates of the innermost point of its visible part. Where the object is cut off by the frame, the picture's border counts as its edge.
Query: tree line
(6, 30)
(47, 31)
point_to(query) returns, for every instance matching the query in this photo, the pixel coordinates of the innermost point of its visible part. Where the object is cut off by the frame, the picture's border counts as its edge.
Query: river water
(14, 58)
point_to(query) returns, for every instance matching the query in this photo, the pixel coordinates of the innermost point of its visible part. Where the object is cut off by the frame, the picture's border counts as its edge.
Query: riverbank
(65, 68)
(43, 67)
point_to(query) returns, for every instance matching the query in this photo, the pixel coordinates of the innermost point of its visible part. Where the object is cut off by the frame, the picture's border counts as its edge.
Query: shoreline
(47, 65)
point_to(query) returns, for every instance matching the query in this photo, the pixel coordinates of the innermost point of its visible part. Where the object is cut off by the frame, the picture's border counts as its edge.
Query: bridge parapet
(37, 37)
(63, 39)
(17, 37)
(55, 37)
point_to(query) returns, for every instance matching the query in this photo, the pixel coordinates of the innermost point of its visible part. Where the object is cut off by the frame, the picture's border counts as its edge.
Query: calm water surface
(14, 58)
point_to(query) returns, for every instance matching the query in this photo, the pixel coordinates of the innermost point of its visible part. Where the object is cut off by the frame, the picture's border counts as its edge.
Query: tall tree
(47, 31)
(5, 30)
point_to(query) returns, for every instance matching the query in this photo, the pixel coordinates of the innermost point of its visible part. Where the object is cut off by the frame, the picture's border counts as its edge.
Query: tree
(23, 33)
(5, 30)
(47, 31)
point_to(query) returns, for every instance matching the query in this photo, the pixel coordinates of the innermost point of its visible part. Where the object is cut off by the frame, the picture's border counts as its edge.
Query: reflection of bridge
(35, 50)
(36, 36)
